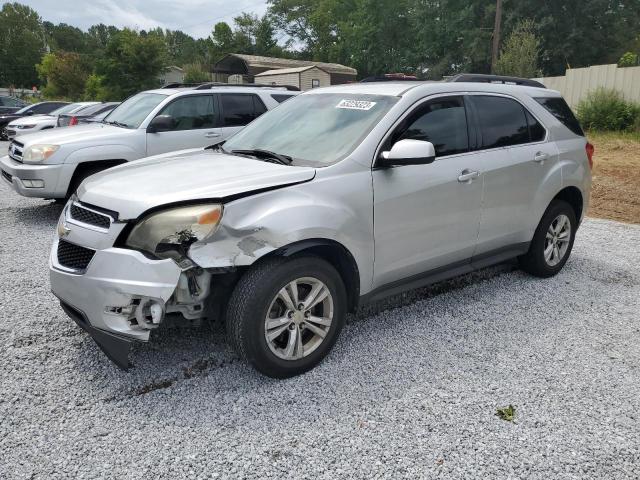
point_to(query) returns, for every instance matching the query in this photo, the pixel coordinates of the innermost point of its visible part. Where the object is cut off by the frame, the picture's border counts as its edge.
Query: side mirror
(408, 152)
(161, 123)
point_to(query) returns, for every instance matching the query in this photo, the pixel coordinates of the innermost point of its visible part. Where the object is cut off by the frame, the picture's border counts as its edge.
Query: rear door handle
(466, 176)
(540, 157)
(211, 134)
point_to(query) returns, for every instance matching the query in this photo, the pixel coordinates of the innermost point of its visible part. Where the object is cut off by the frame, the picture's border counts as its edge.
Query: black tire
(249, 306)
(534, 262)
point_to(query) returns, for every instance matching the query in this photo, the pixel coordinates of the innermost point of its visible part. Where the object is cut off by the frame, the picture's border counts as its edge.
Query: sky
(195, 17)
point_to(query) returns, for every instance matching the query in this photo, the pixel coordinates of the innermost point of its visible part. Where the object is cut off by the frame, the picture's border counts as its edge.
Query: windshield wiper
(267, 155)
(117, 124)
(217, 147)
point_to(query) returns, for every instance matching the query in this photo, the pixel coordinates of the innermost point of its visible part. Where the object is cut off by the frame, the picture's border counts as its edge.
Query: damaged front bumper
(118, 298)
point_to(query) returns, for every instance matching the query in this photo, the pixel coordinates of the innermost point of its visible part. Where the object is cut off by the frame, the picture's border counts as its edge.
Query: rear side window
(240, 109)
(536, 130)
(47, 107)
(502, 121)
(442, 122)
(281, 98)
(559, 109)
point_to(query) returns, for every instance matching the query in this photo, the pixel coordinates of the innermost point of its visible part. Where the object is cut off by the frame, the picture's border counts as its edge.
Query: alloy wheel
(299, 318)
(557, 240)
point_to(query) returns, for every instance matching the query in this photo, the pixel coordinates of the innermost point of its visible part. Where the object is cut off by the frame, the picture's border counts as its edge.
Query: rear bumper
(54, 178)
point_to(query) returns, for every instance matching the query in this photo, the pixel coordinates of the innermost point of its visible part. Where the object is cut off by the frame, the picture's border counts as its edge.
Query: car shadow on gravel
(45, 214)
(201, 358)
(175, 355)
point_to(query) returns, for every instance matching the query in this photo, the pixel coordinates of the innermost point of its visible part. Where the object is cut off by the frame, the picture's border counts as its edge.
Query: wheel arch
(83, 168)
(573, 196)
(333, 252)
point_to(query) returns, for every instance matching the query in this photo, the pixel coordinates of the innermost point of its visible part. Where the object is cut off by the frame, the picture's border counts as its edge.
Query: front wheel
(285, 314)
(552, 242)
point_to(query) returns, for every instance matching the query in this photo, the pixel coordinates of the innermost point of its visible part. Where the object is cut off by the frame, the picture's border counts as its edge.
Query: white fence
(578, 82)
(17, 92)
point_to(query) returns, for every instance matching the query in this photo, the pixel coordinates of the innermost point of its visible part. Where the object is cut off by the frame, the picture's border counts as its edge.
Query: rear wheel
(285, 314)
(552, 242)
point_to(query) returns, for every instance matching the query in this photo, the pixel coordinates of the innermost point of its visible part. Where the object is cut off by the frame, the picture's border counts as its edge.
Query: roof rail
(180, 85)
(206, 86)
(482, 78)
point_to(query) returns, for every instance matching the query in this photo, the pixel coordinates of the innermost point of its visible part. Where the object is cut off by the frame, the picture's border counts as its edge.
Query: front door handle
(540, 157)
(466, 176)
(211, 134)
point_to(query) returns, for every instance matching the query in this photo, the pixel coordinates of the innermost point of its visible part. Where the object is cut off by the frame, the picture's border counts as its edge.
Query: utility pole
(495, 51)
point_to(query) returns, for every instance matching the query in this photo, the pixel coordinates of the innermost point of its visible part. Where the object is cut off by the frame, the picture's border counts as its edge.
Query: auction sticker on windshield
(356, 104)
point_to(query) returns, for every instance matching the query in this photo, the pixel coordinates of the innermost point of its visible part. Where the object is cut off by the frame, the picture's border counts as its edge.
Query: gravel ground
(410, 390)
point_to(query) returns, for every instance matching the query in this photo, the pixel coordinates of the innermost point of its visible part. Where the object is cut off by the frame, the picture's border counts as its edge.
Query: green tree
(519, 55)
(131, 62)
(65, 74)
(21, 45)
(578, 33)
(98, 36)
(94, 90)
(196, 73)
(629, 59)
(66, 38)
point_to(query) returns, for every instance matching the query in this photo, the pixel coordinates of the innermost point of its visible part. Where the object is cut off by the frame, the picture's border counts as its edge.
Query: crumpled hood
(136, 187)
(91, 133)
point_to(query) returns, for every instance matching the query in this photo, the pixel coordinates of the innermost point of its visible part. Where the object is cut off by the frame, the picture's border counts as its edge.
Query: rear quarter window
(280, 97)
(559, 109)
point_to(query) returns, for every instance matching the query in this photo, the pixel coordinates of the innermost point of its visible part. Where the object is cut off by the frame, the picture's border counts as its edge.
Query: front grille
(74, 256)
(15, 148)
(90, 217)
(7, 176)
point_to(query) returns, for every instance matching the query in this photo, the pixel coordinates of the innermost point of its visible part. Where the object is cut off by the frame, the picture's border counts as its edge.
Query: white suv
(52, 164)
(341, 196)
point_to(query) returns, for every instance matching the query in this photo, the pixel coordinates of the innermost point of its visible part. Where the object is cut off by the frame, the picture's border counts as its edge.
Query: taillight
(74, 121)
(590, 151)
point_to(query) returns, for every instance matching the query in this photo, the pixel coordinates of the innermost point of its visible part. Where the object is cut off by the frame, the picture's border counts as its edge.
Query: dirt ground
(616, 177)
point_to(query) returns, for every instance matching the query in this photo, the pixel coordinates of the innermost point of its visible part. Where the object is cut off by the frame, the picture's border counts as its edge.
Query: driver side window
(442, 122)
(191, 112)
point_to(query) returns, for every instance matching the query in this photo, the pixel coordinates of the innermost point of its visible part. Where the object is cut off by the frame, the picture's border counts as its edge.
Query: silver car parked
(340, 196)
(52, 164)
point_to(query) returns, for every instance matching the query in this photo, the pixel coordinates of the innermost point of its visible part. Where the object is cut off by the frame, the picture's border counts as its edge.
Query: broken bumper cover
(98, 299)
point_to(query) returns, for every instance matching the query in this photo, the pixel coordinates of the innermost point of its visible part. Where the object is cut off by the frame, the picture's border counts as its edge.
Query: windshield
(65, 109)
(318, 129)
(92, 109)
(24, 109)
(132, 112)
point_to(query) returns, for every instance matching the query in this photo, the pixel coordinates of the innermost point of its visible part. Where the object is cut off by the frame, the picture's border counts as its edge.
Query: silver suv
(53, 163)
(340, 196)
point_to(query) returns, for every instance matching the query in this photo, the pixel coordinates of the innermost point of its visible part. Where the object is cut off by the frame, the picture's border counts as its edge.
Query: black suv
(10, 104)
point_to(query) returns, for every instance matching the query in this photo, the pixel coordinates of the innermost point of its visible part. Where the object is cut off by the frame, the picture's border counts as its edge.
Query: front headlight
(25, 126)
(173, 231)
(39, 153)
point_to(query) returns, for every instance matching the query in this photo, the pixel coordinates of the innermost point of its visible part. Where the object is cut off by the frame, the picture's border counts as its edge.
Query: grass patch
(507, 414)
(604, 136)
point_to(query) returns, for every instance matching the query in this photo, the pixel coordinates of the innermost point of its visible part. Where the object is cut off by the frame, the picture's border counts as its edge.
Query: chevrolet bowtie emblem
(63, 230)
